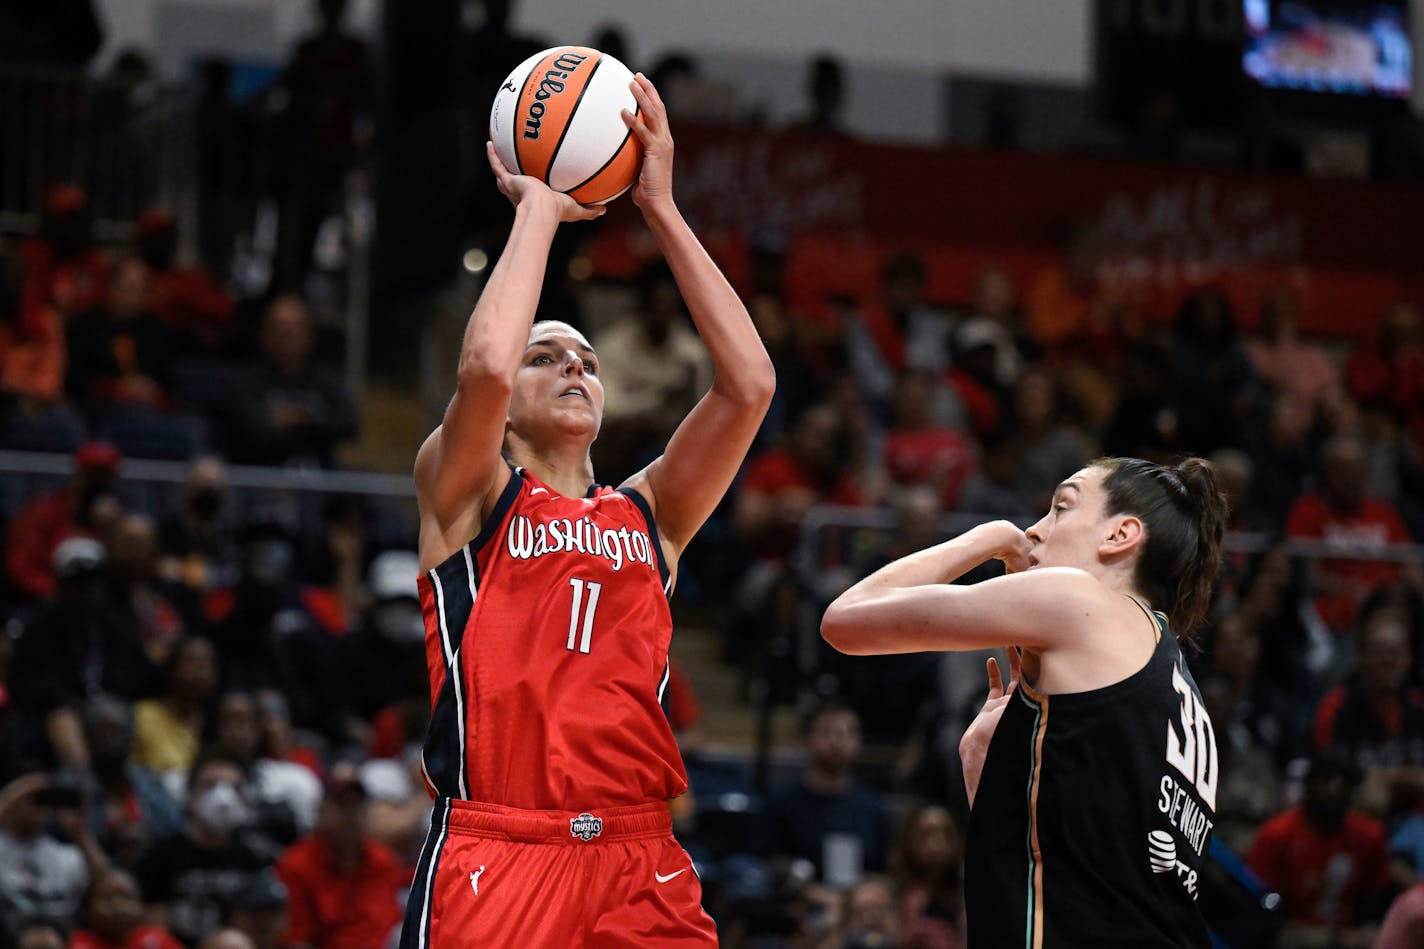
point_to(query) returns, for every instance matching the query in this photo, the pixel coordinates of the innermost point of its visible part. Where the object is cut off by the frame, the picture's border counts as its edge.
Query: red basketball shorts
(496, 876)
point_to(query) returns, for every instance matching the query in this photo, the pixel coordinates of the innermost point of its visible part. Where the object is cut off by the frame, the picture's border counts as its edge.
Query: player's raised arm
(912, 605)
(459, 465)
(687, 482)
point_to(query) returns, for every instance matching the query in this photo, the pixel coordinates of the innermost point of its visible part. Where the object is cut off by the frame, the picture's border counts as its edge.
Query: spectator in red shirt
(186, 299)
(114, 918)
(40, 526)
(1386, 376)
(896, 331)
(119, 352)
(1377, 718)
(815, 467)
(345, 889)
(1327, 861)
(1286, 362)
(64, 267)
(918, 451)
(781, 485)
(1346, 521)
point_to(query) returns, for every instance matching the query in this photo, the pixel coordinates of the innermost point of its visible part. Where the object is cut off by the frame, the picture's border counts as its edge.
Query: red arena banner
(1347, 248)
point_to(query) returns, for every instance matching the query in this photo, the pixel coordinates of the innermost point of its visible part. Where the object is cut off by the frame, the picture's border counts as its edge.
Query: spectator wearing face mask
(195, 876)
(198, 550)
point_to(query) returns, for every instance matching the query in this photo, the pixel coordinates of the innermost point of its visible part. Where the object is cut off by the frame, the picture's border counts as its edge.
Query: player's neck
(566, 469)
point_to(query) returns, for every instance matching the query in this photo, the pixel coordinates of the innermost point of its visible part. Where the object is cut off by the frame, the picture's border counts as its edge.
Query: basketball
(557, 118)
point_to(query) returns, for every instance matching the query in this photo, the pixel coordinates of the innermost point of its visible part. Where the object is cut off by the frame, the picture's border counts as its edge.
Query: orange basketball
(557, 118)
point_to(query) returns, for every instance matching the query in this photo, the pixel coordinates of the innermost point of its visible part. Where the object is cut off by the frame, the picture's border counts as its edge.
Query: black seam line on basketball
(514, 130)
(616, 152)
(573, 113)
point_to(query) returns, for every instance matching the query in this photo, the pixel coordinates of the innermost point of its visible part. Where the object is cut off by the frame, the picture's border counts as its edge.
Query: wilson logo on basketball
(558, 117)
(551, 85)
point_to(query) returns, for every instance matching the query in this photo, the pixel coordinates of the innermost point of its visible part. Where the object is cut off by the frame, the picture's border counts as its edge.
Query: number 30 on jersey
(1193, 753)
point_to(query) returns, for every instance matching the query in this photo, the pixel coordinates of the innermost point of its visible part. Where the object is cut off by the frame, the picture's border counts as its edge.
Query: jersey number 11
(580, 610)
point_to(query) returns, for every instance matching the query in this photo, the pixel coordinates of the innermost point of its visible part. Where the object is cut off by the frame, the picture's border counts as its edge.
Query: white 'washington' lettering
(525, 539)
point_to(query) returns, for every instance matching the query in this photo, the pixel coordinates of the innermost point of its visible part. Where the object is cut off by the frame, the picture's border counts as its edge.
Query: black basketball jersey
(1092, 814)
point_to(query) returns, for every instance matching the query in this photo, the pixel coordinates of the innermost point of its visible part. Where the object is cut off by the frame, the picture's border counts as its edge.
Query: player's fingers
(653, 111)
(996, 680)
(639, 127)
(496, 166)
(652, 93)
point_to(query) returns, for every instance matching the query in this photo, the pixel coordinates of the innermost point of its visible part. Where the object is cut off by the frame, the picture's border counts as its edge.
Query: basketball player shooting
(545, 602)
(1092, 776)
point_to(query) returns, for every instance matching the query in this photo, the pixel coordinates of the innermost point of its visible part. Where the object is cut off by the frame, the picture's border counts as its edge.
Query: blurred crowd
(212, 700)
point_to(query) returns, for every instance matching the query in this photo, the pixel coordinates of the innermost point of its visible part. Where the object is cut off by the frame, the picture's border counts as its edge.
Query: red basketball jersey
(547, 643)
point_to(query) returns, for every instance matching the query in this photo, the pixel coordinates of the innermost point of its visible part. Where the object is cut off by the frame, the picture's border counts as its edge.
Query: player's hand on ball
(521, 188)
(651, 126)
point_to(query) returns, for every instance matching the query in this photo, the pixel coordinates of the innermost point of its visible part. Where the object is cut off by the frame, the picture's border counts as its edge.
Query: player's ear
(1125, 533)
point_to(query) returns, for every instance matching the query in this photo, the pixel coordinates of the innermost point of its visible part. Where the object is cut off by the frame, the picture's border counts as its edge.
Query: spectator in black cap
(74, 650)
(259, 912)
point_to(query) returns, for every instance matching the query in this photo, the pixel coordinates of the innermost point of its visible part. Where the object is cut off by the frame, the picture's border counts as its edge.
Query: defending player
(1096, 796)
(545, 600)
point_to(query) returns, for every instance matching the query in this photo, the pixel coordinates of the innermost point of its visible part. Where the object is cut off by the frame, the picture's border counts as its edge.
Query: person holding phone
(40, 874)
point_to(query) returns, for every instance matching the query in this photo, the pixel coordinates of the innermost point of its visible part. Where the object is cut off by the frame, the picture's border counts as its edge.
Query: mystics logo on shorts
(551, 84)
(586, 826)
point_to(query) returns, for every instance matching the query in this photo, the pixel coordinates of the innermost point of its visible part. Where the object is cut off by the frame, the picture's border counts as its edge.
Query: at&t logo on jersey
(586, 826)
(1162, 857)
(527, 539)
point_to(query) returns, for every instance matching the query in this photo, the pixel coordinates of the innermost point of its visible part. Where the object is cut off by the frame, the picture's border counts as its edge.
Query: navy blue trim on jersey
(419, 904)
(444, 749)
(663, 700)
(501, 508)
(666, 574)
(455, 563)
(642, 504)
(455, 585)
